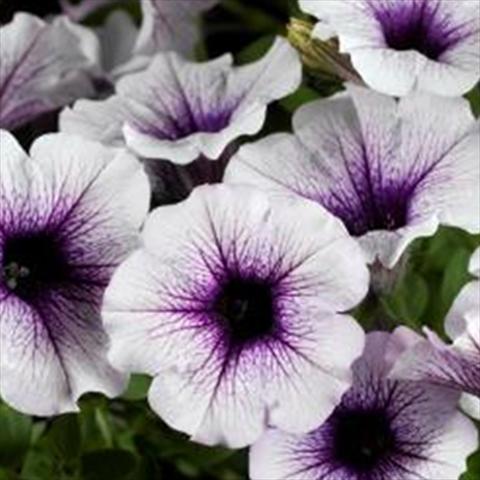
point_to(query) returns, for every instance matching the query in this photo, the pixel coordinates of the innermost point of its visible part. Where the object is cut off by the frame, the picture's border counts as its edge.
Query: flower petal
(184, 110)
(400, 46)
(431, 440)
(168, 26)
(392, 172)
(204, 107)
(159, 305)
(96, 120)
(42, 69)
(92, 199)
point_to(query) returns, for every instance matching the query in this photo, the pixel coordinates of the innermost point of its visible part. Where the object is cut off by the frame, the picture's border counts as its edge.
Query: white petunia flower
(383, 429)
(42, 68)
(398, 46)
(392, 171)
(69, 215)
(456, 365)
(181, 111)
(235, 305)
(118, 47)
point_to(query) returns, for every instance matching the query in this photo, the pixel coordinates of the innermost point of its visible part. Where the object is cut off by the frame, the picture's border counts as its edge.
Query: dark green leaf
(409, 300)
(473, 470)
(303, 95)
(137, 387)
(255, 50)
(15, 434)
(455, 276)
(64, 437)
(253, 18)
(474, 98)
(39, 465)
(5, 475)
(113, 464)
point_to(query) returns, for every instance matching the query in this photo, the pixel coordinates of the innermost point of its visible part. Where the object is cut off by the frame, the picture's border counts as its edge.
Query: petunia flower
(110, 50)
(110, 47)
(181, 112)
(78, 12)
(171, 25)
(118, 47)
(398, 46)
(382, 430)
(234, 305)
(69, 214)
(456, 365)
(392, 171)
(42, 68)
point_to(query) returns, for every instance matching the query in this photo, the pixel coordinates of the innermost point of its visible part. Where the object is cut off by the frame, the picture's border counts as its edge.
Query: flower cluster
(150, 233)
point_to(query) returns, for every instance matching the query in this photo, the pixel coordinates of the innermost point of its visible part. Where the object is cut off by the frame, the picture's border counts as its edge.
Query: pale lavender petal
(188, 114)
(68, 216)
(117, 39)
(391, 171)
(398, 46)
(249, 289)
(42, 68)
(168, 25)
(383, 429)
(186, 109)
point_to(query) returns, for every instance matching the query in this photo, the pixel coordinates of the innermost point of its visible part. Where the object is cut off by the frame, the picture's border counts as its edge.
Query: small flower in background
(69, 215)
(456, 365)
(81, 10)
(42, 68)
(234, 304)
(182, 112)
(392, 172)
(110, 49)
(171, 26)
(118, 47)
(383, 429)
(398, 46)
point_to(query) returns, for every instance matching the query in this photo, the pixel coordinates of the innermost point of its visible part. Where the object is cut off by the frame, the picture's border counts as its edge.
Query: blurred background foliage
(122, 439)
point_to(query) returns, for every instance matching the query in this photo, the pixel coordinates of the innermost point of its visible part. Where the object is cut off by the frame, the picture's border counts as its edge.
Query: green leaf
(474, 98)
(39, 465)
(473, 467)
(408, 300)
(455, 276)
(15, 434)
(137, 387)
(114, 464)
(435, 252)
(4, 475)
(64, 438)
(255, 50)
(303, 95)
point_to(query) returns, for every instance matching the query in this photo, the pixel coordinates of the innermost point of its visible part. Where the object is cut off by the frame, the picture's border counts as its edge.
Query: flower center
(417, 25)
(247, 308)
(33, 262)
(186, 122)
(362, 439)
(377, 209)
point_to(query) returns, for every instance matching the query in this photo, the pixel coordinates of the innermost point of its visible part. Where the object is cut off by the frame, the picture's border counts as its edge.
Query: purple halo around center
(417, 25)
(185, 121)
(245, 307)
